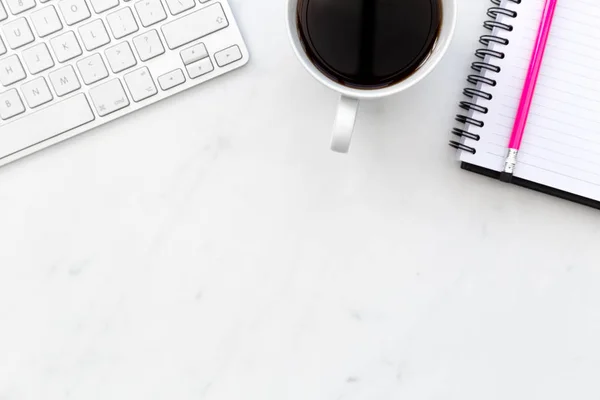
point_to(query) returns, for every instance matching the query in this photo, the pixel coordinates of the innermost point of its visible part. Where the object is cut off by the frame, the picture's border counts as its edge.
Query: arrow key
(171, 79)
(228, 56)
(199, 68)
(193, 54)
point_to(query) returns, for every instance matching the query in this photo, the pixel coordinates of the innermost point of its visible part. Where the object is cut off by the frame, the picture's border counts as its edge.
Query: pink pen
(528, 90)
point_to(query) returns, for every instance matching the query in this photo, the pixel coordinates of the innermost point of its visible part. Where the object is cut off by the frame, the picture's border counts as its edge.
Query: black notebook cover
(534, 186)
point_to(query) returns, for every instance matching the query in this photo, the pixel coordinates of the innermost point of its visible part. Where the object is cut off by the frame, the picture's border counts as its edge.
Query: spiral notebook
(560, 154)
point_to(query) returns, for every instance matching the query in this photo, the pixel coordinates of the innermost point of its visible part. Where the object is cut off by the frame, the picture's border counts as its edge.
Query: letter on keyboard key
(18, 6)
(46, 21)
(17, 33)
(140, 84)
(38, 58)
(103, 5)
(36, 92)
(66, 46)
(64, 80)
(10, 105)
(58, 118)
(11, 70)
(194, 26)
(109, 97)
(94, 35)
(74, 11)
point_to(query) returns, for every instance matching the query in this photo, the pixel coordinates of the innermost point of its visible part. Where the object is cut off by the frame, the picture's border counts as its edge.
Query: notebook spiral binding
(479, 80)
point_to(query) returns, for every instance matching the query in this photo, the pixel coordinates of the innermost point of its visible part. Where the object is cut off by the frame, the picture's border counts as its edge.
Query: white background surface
(211, 247)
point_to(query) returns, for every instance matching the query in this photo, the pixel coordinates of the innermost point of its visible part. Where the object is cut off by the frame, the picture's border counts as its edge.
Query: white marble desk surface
(211, 247)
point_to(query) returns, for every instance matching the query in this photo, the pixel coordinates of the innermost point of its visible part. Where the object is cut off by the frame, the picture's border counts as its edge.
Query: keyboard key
(18, 6)
(74, 11)
(2, 47)
(94, 35)
(228, 56)
(38, 58)
(46, 21)
(199, 68)
(140, 84)
(109, 97)
(3, 14)
(171, 79)
(11, 70)
(120, 57)
(66, 47)
(100, 6)
(44, 124)
(122, 23)
(36, 92)
(17, 33)
(148, 45)
(92, 69)
(179, 6)
(194, 53)
(64, 81)
(194, 26)
(150, 12)
(10, 105)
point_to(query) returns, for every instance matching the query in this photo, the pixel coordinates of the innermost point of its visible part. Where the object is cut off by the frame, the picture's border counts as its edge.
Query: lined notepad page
(561, 146)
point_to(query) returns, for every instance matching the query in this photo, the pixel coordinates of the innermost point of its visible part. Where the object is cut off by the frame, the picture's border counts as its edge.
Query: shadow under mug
(350, 98)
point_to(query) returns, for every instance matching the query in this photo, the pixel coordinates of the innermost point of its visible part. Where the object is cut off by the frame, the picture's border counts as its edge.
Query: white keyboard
(67, 66)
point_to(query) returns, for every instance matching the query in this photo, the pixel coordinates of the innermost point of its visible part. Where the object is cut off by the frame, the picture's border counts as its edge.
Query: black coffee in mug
(369, 44)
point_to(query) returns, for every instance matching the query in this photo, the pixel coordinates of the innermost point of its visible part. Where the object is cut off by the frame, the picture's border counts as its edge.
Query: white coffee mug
(350, 97)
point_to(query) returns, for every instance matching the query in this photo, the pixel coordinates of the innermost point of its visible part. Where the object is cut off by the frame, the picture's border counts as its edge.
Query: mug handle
(344, 124)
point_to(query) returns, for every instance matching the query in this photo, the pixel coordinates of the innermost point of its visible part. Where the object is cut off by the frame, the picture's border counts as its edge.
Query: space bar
(42, 125)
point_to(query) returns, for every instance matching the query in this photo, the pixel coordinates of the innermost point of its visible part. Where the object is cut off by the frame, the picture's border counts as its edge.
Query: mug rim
(446, 35)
